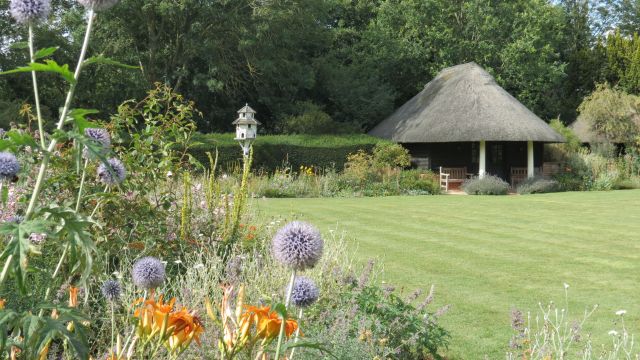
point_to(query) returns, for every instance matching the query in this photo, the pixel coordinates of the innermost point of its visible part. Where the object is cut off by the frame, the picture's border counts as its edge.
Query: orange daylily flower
(73, 296)
(268, 322)
(177, 328)
(3, 302)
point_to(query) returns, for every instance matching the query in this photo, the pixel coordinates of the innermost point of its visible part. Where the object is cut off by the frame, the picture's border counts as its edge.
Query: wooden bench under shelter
(452, 175)
(548, 170)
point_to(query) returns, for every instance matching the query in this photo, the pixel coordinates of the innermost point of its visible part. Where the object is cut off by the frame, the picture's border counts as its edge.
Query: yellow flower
(2, 303)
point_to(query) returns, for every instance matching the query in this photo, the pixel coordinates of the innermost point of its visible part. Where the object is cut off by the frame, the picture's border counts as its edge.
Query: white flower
(566, 286)
(613, 333)
(198, 266)
(178, 262)
(169, 174)
(621, 312)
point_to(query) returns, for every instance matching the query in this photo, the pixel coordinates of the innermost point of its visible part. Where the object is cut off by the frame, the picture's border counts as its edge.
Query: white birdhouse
(246, 128)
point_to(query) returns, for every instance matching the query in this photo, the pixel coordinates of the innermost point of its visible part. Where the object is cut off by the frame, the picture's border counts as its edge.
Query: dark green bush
(538, 186)
(488, 185)
(415, 180)
(271, 151)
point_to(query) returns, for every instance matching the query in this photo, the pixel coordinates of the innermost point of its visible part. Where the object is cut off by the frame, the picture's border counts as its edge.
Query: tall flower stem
(36, 96)
(106, 188)
(84, 173)
(113, 323)
(297, 334)
(284, 320)
(63, 116)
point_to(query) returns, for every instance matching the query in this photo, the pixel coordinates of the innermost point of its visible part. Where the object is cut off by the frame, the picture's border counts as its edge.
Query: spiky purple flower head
(148, 273)
(99, 136)
(113, 173)
(97, 5)
(305, 292)
(298, 245)
(111, 290)
(9, 165)
(26, 11)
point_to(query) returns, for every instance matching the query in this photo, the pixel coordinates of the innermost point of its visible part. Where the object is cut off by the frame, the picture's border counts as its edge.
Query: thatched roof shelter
(583, 130)
(464, 103)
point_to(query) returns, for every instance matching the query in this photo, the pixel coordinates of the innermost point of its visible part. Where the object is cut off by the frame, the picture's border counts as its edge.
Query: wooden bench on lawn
(452, 175)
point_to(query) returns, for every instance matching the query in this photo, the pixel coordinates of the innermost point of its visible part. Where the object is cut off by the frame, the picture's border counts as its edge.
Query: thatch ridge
(464, 103)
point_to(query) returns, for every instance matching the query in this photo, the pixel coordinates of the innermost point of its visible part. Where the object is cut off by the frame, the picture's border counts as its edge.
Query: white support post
(482, 162)
(530, 167)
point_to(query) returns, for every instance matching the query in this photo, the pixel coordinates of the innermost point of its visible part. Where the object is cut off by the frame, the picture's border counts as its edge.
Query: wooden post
(530, 167)
(482, 163)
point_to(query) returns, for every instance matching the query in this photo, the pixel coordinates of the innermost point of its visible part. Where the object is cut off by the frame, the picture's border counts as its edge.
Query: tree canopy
(346, 62)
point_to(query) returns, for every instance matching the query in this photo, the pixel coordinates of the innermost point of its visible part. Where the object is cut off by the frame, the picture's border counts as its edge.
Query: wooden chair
(452, 175)
(518, 175)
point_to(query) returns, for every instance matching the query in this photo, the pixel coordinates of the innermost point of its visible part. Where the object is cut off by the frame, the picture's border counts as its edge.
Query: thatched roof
(464, 103)
(583, 131)
(586, 134)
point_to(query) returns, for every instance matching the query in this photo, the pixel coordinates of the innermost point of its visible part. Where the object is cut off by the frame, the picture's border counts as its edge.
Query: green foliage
(411, 330)
(272, 150)
(310, 119)
(391, 155)
(612, 113)
(419, 181)
(488, 185)
(538, 186)
(34, 334)
(573, 141)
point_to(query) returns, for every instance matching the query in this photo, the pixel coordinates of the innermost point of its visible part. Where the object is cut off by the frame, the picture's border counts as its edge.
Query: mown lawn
(488, 255)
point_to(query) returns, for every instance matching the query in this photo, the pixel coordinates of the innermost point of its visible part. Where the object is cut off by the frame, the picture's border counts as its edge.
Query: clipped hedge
(272, 151)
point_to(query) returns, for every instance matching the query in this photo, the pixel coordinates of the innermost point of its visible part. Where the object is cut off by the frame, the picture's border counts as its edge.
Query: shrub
(488, 185)
(391, 155)
(312, 120)
(538, 186)
(270, 151)
(416, 180)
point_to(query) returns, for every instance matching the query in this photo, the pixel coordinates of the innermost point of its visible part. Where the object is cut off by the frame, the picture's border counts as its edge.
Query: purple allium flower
(25, 11)
(98, 5)
(305, 292)
(111, 290)
(298, 245)
(101, 137)
(148, 273)
(9, 165)
(112, 174)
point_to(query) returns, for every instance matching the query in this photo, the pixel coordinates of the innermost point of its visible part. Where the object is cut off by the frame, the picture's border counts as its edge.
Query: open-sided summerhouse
(465, 123)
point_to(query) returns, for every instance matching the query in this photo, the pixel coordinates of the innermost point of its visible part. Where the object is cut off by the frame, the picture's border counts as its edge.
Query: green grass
(488, 255)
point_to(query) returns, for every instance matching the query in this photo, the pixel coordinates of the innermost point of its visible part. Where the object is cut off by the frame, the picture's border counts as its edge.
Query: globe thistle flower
(112, 174)
(15, 219)
(9, 165)
(101, 137)
(111, 290)
(148, 273)
(298, 245)
(97, 5)
(26, 11)
(305, 292)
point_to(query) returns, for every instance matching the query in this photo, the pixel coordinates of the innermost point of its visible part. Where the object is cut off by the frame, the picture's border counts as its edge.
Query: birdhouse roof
(246, 109)
(245, 121)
